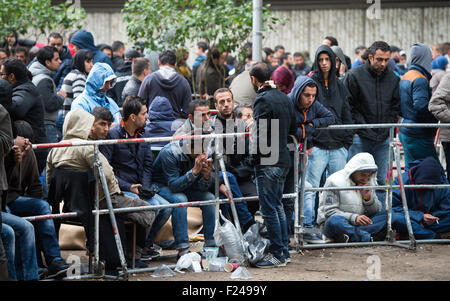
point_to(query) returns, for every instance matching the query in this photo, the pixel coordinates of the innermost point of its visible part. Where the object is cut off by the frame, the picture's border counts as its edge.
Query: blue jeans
(54, 135)
(319, 161)
(417, 148)
(270, 183)
(337, 225)
(179, 215)
(18, 239)
(420, 232)
(241, 207)
(162, 215)
(380, 152)
(47, 240)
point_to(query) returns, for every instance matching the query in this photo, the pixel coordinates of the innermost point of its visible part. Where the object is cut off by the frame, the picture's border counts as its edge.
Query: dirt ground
(430, 262)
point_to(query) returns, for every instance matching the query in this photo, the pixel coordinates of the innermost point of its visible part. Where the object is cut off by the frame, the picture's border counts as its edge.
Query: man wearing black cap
(429, 209)
(124, 73)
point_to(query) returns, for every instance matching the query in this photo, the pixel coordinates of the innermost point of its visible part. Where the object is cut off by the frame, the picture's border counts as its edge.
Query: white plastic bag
(189, 261)
(227, 236)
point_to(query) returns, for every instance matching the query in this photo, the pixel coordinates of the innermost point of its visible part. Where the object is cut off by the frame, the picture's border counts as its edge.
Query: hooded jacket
(91, 98)
(85, 40)
(166, 82)
(439, 106)
(349, 203)
(333, 95)
(43, 80)
(415, 93)
(131, 88)
(420, 201)
(77, 126)
(374, 98)
(438, 71)
(161, 120)
(27, 105)
(317, 114)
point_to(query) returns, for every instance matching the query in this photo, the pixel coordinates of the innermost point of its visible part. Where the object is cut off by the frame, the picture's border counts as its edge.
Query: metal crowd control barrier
(298, 195)
(394, 153)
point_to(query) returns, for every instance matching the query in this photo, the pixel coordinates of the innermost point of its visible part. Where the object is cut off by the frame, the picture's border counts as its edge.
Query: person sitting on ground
(184, 174)
(99, 81)
(133, 164)
(25, 199)
(429, 209)
(79, 125)
(162, 121)
(352, 215)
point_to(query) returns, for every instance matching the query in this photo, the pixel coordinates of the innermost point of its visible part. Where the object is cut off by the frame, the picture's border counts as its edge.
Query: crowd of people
(75, 90)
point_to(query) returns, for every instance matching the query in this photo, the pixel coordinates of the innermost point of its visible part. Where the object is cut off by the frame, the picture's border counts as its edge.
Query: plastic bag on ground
(217, 264)
(255, 243)
(227, 236)
(241, 273)
(186, 261)
(163, 271)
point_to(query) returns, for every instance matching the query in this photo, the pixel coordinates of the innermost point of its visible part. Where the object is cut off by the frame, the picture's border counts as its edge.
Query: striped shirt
(73, 85)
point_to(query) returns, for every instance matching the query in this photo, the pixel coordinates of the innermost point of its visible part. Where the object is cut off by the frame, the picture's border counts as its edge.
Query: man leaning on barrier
(352, 215)
(429, 209)
(77, 127)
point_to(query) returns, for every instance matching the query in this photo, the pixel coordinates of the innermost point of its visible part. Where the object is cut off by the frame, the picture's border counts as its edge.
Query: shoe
(57, 269)
(138, 264)
(183, 252)
(380, 236)
(270, 261)
(151, 253)
(343, 238)
(42, 272)
(313, 238)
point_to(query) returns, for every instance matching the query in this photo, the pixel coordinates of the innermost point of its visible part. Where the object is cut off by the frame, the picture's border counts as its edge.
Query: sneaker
(42, 272)
(151, 253)
(313, 238)
(270, 261)
(57, 269)
(343, 238)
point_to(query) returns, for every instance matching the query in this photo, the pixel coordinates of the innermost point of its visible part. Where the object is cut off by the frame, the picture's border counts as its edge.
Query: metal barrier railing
(298, 193)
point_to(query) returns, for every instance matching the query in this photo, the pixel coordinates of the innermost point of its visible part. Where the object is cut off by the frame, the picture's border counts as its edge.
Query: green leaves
(161, 24)
(21, 15)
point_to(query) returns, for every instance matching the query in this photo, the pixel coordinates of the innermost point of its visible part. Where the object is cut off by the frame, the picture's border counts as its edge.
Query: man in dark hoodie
(83, 39)
(168, 83)
(26, 103)
(310, 114)
(429, 209)
(374, 98)
(415, 94)
(274, 121)
(43, 69)
(330, 151)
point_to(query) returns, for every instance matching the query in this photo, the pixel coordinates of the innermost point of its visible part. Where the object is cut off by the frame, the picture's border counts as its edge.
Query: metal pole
(97, 266)
(390, 234)
(257, 31)
(297, 228)
(303, 159)
(113, 218)
(404, 201)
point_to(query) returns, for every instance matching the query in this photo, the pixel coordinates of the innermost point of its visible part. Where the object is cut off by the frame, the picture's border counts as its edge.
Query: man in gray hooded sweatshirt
(415, 94)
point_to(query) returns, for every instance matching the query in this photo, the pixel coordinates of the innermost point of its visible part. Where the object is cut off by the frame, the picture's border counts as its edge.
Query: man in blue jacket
(183, 172)
(429, 209)
(415, 94)
(83, 39)
(133, 163)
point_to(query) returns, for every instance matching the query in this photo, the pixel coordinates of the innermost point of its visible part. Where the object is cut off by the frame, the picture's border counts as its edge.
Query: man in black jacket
(330, 151)
(273, 113)
(374, 98)
(140, 69)
(26, 103)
